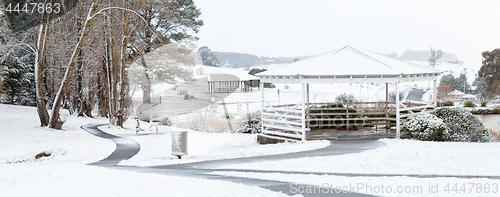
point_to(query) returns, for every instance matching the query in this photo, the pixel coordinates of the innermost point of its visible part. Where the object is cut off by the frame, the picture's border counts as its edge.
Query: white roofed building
(456, 94)
(227, 83)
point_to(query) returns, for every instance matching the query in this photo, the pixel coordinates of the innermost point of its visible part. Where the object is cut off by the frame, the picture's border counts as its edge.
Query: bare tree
(170, 21)
(435, 55)
(165, 64)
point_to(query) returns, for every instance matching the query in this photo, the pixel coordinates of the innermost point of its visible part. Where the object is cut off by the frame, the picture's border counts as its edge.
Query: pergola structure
(228, 83)
(344, 65)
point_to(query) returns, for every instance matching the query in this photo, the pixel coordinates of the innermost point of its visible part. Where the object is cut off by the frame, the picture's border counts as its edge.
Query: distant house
(470, 97)
(473, 90)
(456, 94)
(228, 83)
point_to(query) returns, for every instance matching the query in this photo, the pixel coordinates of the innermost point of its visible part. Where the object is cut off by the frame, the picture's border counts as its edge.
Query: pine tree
(208, 58)
(16, 64)
(16, 70)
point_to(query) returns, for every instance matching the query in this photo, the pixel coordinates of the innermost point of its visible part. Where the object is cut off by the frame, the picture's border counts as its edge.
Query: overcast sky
(292, 28)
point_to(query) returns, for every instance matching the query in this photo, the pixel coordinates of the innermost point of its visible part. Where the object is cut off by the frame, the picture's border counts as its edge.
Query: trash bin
(179, 143)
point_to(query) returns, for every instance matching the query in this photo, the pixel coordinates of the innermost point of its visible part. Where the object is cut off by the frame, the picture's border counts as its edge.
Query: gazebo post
(307, 101)
(435, 93)
(387, 123)
(397, 111)
(302, 95)
(261, 87)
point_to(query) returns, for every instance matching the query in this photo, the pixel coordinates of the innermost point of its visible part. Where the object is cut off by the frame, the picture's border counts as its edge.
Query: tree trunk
(146, 87)
(43, 114)
(54, 121)
(146, 92)
(122, 116)
(102, 93)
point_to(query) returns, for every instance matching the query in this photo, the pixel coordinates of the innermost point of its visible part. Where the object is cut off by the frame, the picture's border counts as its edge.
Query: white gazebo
(344, 65)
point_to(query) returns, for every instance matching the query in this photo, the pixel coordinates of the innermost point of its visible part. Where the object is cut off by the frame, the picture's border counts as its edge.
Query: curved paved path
(125, 148)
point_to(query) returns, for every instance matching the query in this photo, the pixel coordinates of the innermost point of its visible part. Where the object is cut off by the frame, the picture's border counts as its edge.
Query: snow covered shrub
(469, 103)
(445, 103)
(345, 98)
(483, 103)
(328, 120)
(166, 121)
(462, 125)
(250, 123)
(205, 120)
(426, 127)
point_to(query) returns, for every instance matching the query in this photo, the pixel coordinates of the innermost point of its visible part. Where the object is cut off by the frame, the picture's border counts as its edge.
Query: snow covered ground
(399, 157)
(379, 186)
(156, 148)
(66, 173)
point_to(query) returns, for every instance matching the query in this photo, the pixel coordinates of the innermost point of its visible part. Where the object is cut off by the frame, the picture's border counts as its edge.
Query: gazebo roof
(349, 64)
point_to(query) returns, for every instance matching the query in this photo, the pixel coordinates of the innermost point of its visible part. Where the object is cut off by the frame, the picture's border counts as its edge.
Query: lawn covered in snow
(156, 148)
(66, 173)
(380, 186)
(399, 157)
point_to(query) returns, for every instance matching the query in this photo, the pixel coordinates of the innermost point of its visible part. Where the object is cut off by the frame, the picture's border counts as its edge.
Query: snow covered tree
(16, 64)
(167, 21)
(345, 98)
(448, 79)
(168, 63)
(208, 58)
(462, 83)
(442, 91)
(80, 58)
(490, 72)
(435, 55)
(16, 77)
(479, 83)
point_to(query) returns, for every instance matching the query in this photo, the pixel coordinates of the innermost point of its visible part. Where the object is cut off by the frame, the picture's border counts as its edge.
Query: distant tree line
(237, 60)
(424, 56)
(460, 83)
